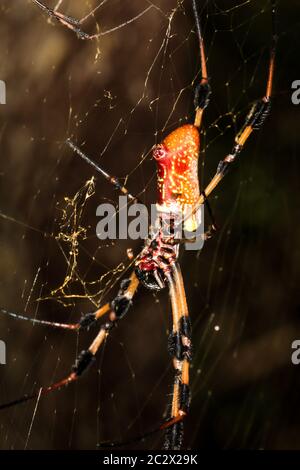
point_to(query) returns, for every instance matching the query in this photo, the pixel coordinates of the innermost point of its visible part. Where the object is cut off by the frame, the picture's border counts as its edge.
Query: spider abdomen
(177, 172)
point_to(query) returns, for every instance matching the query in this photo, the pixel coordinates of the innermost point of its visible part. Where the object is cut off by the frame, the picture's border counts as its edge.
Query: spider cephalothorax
(155, 261)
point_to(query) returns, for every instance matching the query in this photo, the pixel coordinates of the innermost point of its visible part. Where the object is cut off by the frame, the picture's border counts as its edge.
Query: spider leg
(74, 25)
(111, 179)
(180, 348)
(201, 101)
(203, 89)
(65, 20)
(85, 322)
(254, 120)
(119, 307)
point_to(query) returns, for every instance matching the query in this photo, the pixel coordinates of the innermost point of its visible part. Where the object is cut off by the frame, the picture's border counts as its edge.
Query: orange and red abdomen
(177, 171)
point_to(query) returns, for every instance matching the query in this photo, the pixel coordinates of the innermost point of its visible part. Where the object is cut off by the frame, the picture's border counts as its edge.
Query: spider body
(178, 189)
(156, 260)
(177, 173)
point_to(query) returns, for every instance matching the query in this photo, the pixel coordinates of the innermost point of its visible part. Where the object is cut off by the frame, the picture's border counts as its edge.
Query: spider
(156, 267)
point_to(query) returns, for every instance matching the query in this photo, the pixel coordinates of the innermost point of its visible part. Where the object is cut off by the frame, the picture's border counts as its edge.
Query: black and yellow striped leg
(118, 309)
(119, 304)
(202, 90)
(254, 120)
(180, 348)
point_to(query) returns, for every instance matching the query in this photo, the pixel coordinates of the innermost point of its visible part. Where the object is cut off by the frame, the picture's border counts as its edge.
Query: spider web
(116, 97)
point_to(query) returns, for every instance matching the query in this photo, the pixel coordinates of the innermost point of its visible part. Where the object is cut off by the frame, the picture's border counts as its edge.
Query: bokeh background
(116, 97)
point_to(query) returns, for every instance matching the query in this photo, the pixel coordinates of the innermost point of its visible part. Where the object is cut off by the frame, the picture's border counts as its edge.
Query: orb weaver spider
(157, 267)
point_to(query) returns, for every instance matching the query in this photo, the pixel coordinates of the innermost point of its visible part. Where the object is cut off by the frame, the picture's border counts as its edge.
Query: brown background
(246, 280)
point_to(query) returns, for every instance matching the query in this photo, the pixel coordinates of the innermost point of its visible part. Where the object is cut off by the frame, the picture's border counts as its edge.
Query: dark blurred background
(116, 97)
